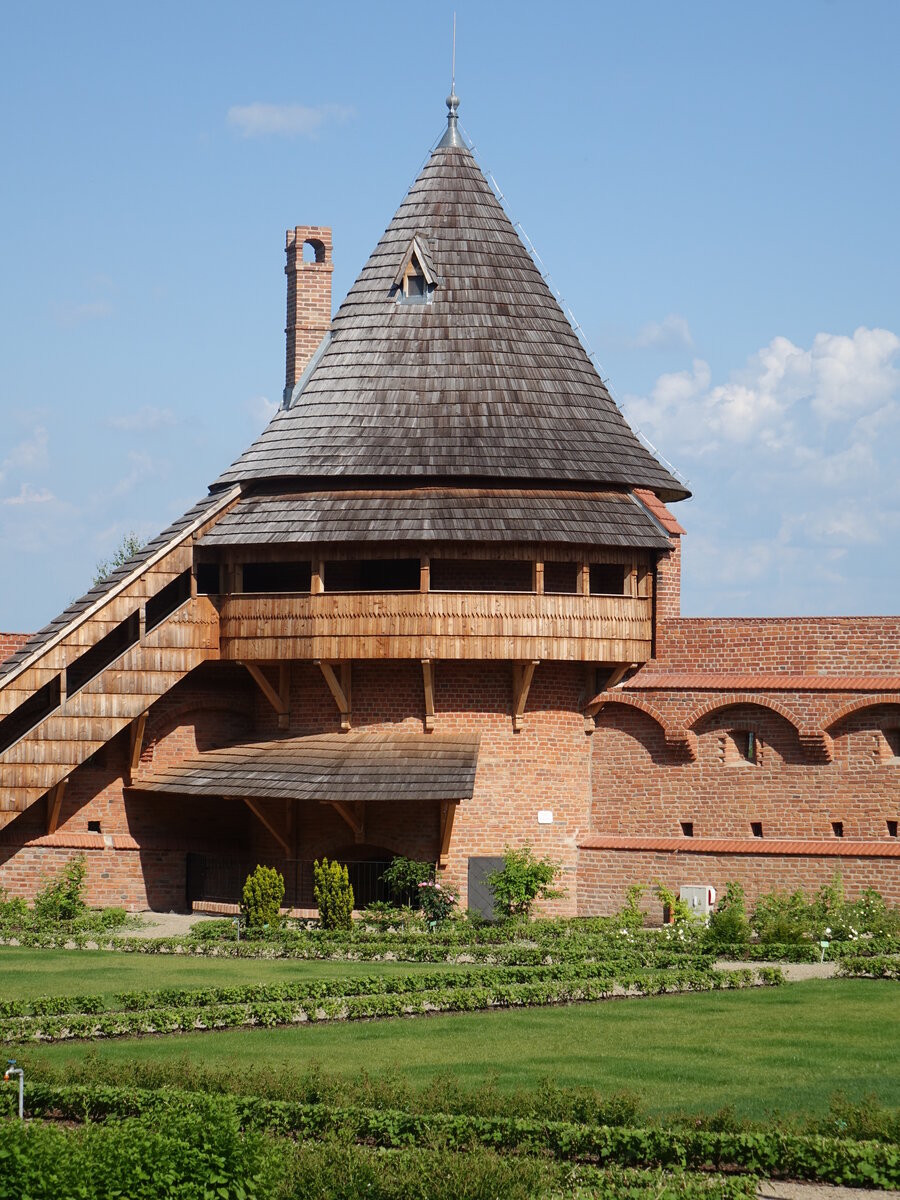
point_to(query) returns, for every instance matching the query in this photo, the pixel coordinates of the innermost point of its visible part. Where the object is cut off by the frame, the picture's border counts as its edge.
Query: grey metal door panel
(481, 894)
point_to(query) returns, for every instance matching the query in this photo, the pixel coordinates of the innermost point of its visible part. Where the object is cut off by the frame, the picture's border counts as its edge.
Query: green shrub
(333, 893)
(262, 897)
(523, 879)
(728, 924)
(62, 899)
(402, 879)
(782, 917)
(679, 910)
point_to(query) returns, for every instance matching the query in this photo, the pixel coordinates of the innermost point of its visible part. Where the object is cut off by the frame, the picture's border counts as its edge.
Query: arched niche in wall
(866, 730)
(750, 732)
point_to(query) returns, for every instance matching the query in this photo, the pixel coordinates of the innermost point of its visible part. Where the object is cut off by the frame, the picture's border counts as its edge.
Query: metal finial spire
(452, 135)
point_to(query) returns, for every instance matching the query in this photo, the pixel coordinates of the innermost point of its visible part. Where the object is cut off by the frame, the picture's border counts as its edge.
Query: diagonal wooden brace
(448, 813)
(355, 816)
(523, 673)
(260, 815)
(54, 804)
(428, 680)
(280, 699)
(339, 688)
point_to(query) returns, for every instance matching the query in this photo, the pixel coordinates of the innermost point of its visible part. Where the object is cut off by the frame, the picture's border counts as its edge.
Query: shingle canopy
(438, 514)
(487, 380)
(327, 767)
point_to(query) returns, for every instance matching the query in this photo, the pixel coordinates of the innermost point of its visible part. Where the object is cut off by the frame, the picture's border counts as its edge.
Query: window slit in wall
(748, 747)
(276, 576)
(208, 579)
(373, 575)
(892, 828)
(756, 828)
(608, 579)
(30, 713)
(102, 653)
(167, 599)
(687, 828)
(837, 828)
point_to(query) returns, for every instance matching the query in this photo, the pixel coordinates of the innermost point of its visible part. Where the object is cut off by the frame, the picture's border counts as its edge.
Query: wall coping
(832, 848)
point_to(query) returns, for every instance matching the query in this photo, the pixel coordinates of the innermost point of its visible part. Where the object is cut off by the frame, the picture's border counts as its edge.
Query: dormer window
(415, 280)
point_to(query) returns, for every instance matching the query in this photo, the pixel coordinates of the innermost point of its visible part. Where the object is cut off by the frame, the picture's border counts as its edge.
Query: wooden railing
(436, 625)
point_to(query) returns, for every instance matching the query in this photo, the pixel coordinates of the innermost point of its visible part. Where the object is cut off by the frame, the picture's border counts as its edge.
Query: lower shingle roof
(329, 767)
(439, 514)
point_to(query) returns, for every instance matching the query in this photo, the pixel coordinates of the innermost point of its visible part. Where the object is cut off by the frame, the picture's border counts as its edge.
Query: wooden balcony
(435, 625)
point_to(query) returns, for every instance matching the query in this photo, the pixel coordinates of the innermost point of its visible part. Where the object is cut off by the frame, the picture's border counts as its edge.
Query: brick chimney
(308, 298)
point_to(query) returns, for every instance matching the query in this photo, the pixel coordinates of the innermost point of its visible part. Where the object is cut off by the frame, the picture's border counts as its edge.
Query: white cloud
(672, 332)
(785, 398)
(30, 453)
(144, 420)
(69, 314)
(284, 120)
(793, 462)
(29, 495)
(262, 409)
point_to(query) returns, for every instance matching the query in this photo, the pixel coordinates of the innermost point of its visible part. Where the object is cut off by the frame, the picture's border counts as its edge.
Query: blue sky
(712, 187)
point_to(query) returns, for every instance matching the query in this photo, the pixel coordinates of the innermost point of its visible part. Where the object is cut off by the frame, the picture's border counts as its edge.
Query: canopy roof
(439, 514)
(329, 767)
(483, 379)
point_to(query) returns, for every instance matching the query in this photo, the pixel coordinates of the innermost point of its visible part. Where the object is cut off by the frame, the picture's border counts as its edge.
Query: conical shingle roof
(485, 381)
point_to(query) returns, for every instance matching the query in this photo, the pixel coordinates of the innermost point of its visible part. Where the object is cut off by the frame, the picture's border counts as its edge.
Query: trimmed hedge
(877, 967)
(773, 1153)
(334, 1000)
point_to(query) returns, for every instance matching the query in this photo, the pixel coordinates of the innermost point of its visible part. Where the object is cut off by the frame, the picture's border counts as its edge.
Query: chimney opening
(313, 251)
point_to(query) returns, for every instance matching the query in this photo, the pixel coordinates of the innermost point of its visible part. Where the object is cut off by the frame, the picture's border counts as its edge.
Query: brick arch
(852, 706)
(172, 719)
(809, 736)
(675, 735)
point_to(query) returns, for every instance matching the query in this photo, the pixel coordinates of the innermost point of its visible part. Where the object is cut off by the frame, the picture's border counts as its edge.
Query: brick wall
(644, 786)
(10, 643)
(798, 644)
(626, 779)
(544, 767)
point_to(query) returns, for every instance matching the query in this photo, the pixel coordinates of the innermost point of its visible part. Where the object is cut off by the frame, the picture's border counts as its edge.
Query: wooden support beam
(317, 578)
(280, 698)
(355, 816)
(425, 573)
(135, 746)
(584, 579)
(537, 578)
(523, 673)
(428, 679)
(275, 832)
(340, 689)
(448, 814)
(54, 804)
(284, 694)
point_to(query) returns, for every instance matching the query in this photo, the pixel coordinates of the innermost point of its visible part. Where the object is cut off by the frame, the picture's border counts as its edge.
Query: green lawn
(25, 973)
(786, 1049)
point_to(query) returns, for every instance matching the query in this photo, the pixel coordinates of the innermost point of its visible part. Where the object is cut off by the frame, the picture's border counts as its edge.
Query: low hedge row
(322, 989)
(270, 1013)
(516, 946)
(877, 967)
(772, 1153)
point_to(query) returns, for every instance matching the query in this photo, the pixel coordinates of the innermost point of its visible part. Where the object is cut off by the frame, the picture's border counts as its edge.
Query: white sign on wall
(545, 816)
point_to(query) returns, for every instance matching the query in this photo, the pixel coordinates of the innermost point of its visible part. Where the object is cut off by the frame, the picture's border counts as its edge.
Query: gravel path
(776, 1189)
